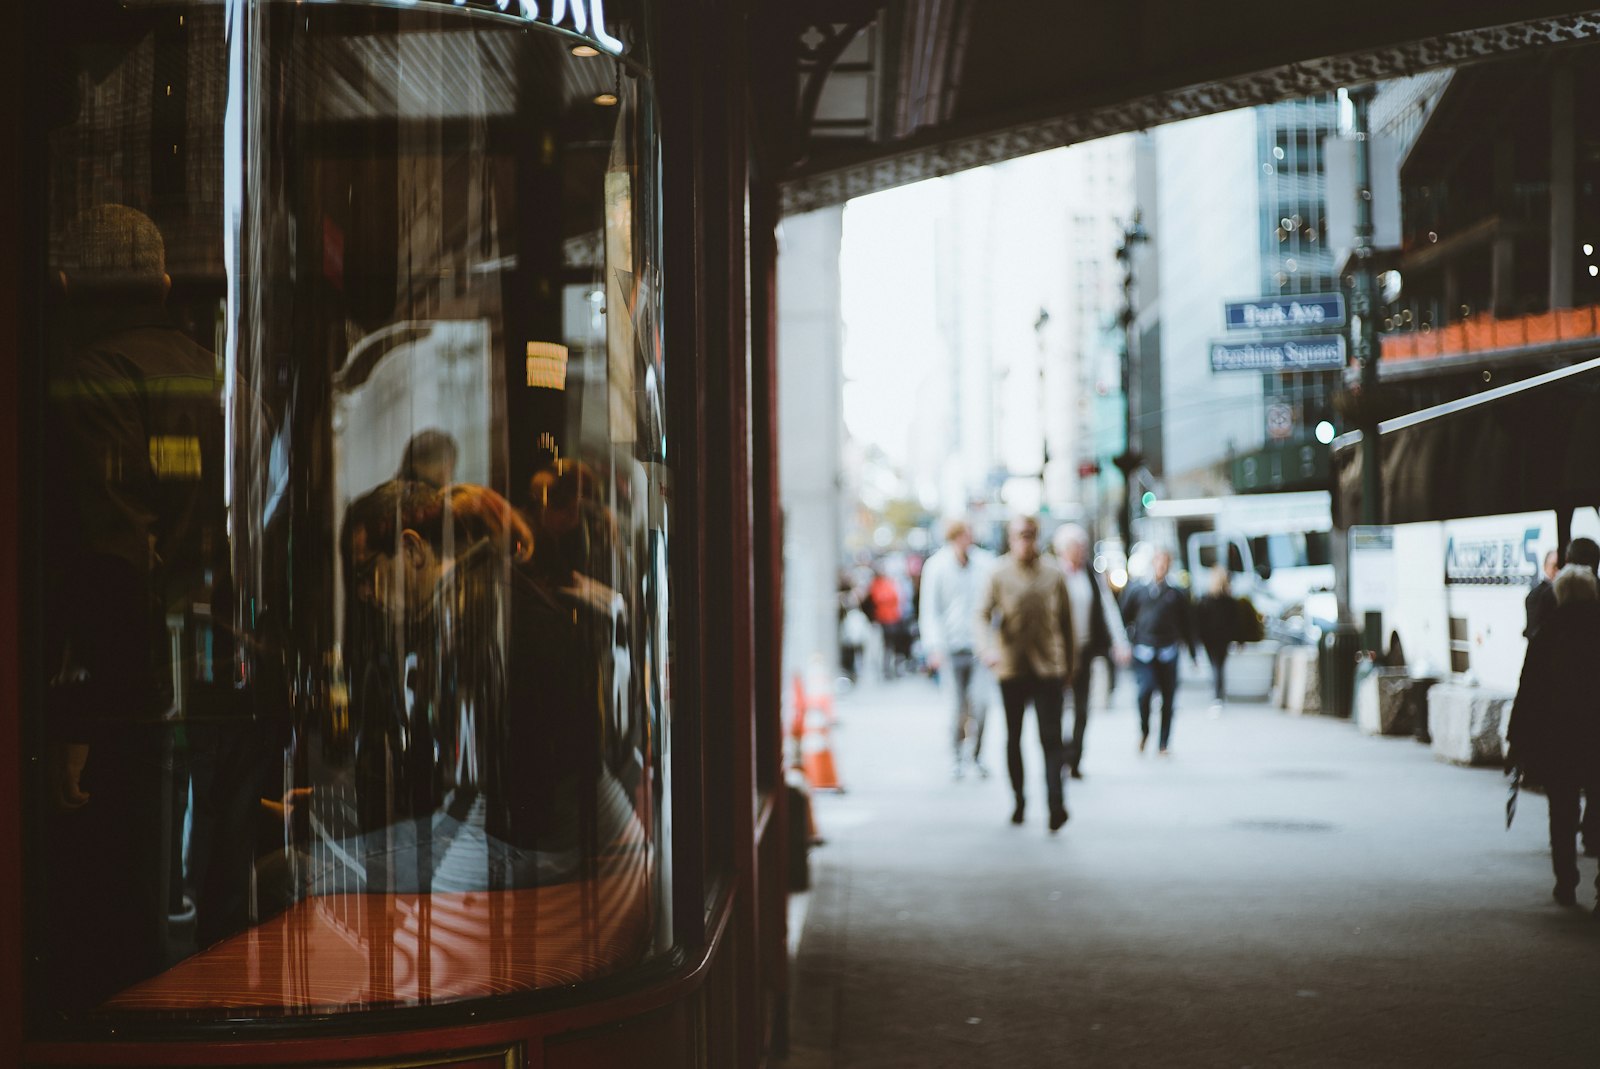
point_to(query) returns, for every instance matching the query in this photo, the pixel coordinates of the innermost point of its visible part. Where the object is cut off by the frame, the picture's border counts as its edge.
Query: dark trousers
(1157, 675)
(1080, 710)
(1048, 696)
(1564, 828)
(1219, 663)
(1564, 832)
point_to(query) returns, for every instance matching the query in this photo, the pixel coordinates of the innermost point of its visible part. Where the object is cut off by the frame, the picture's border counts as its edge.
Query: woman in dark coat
(1217, 615)
(1555, 723)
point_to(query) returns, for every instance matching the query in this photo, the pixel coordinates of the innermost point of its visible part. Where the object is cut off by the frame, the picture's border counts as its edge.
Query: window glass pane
(356, 583)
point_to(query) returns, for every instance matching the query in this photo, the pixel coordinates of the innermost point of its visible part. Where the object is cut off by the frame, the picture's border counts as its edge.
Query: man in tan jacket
(1025, 631)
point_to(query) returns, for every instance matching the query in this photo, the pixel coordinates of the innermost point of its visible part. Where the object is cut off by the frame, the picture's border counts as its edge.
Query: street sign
(1283, 313)
(1290, 354)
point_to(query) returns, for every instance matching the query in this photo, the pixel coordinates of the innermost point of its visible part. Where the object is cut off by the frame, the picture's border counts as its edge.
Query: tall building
(1233, 208)
(1027, 283)
(1296, 258)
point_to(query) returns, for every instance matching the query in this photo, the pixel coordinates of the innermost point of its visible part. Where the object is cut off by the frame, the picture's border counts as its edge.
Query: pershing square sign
(1290, 354)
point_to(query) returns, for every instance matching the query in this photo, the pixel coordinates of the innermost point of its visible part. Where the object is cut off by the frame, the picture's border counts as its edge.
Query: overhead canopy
(1526, 447)
(885, 93)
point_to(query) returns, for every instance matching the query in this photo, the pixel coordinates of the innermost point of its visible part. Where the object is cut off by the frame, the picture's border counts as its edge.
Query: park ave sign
(1276, 313)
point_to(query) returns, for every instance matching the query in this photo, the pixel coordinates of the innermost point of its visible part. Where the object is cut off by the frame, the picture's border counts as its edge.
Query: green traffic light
(1148, 499)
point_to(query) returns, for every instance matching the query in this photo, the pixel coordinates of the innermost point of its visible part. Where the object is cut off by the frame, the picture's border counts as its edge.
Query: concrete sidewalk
(1281, 891)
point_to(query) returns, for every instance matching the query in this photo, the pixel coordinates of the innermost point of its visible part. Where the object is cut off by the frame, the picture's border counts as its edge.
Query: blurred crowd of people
(1022, 627)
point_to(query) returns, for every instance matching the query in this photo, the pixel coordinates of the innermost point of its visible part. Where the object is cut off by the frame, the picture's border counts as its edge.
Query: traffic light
(1148, 498)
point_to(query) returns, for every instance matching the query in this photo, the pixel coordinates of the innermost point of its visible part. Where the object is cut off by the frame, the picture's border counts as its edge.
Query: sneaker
(1163, 752)
(1017, 813)
(1144, 740)
(1565, 896)
(1075, 773)
(1057, 820)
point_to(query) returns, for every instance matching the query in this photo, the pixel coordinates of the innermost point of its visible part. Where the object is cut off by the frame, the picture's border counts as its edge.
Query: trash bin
(1336, 670)
(1395, 712)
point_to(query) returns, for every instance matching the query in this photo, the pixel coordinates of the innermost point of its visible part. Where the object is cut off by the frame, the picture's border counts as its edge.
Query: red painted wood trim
(13, 62)
(311, 1051)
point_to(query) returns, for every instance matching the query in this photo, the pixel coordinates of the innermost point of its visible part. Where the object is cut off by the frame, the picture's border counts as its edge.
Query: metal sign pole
(1363, 336)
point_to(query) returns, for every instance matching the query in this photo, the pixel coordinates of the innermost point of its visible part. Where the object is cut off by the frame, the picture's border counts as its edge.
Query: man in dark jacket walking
(1097, 624)
(1555, 723)
(1157, 615)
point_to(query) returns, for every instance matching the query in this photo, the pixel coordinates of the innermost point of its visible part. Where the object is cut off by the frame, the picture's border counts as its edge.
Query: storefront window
(355, 509)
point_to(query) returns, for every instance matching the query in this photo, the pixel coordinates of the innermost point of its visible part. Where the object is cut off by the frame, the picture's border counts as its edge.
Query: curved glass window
(355, 514)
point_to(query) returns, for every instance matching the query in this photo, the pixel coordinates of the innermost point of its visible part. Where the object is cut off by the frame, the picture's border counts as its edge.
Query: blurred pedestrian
(1025, 631)
(887, 614)
(1217, 619)
(1540, 597)
(1555, 722)
(1157, 615)
(854, 628)
(1097, 625)
(952, 584)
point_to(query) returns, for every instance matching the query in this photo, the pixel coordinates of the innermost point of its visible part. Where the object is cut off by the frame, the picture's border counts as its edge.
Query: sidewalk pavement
(1280, 891)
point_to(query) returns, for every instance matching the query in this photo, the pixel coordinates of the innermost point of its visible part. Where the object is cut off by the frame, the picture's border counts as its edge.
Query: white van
(1277, 547)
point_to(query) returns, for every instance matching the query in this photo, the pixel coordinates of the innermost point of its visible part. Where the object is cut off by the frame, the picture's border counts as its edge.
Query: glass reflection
(355, 596)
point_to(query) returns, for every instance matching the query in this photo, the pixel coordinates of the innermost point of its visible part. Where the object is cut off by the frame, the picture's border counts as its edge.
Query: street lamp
(1130, 459)
(1044, 433)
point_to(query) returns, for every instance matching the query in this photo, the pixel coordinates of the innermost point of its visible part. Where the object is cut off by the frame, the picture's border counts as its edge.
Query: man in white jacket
(952, 584)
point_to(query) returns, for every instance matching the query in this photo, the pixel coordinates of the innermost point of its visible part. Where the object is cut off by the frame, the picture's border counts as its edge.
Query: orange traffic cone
(813, 716)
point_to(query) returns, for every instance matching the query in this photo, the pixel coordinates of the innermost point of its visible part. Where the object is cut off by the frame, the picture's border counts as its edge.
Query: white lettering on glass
(580, 17)
(587, 17)
(597, 13)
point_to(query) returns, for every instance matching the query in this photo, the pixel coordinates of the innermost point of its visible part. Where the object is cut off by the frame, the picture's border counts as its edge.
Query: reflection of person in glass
(136, 550)
(578, 561)
(430, 458)
(501, 719)
(576, 533)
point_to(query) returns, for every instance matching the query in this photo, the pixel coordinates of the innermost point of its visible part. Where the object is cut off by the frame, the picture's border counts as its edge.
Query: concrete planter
(1250, 671)
(1466, 723)
(1366, 710)
(1295, 687)
(1381, 703)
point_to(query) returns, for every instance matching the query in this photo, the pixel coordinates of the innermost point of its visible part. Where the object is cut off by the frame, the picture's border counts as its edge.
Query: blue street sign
(1279, 313)
(1288, 354)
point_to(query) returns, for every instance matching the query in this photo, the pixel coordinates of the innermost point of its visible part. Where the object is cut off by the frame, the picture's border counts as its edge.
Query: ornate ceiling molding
(825, 188)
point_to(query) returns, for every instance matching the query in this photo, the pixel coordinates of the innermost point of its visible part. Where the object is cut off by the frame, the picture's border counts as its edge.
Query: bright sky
(890, 336)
